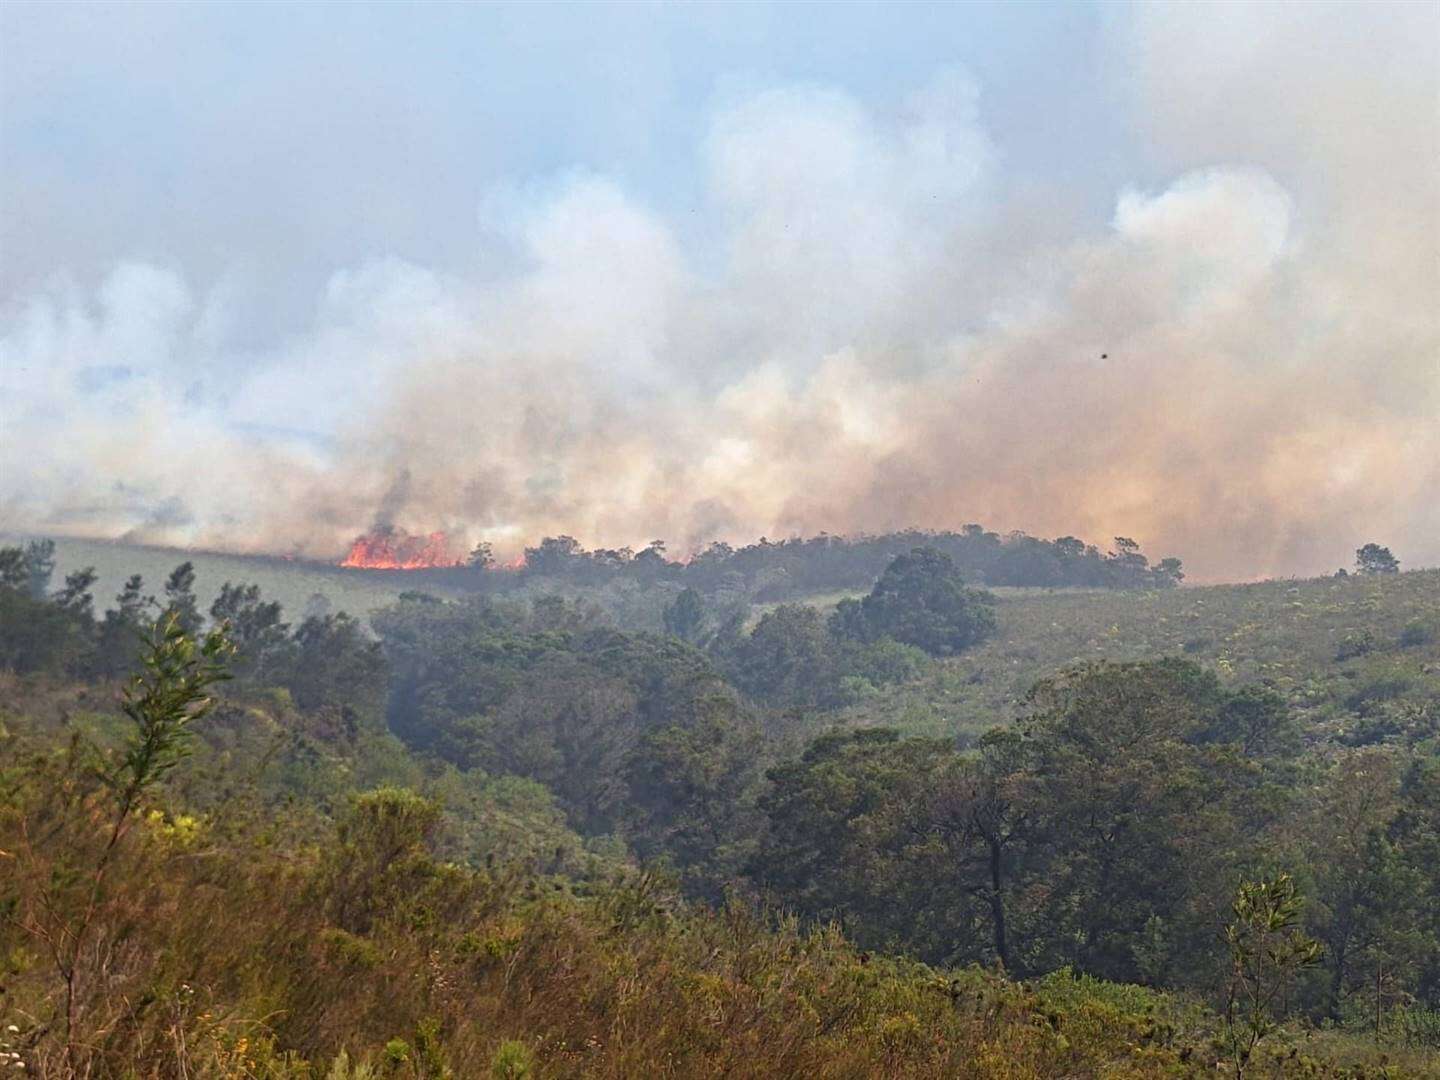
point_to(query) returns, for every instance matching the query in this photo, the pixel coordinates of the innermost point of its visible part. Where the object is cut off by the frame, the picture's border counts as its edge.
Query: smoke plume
(1241, 367)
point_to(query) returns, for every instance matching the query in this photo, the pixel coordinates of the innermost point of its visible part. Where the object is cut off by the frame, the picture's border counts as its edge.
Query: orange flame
(395, 549)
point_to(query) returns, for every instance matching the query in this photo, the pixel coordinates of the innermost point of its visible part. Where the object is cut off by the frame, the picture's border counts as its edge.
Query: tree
(122, 629)
(132, 605)
(180, 598)
(39, 567)
(651, 563)
(1374, 559)
(482, 557)
(685, 616)
(1365, 888)
(255, 626)
(921, 600)
(1267, 950)
(786, 660)
(567, 726)
(554, 557)
(75, 597)
(336, 663)
(1416, 830)
(38, 635)
(689, 794)
(849, 838)
(1168, 572)
(1138, 811)
(980, 811)
(1259, 720)
(14, 571)
(848, 622)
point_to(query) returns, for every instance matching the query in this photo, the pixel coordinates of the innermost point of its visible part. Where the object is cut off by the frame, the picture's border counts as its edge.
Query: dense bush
(513, 835)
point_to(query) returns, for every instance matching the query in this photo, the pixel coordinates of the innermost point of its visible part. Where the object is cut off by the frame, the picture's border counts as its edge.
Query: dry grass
(223, 951)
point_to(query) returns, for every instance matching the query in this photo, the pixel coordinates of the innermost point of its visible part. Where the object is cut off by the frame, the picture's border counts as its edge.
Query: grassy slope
(1287, 632)
(292, 583)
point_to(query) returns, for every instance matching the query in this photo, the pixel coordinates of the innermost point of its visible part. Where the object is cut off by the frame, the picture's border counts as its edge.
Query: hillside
(497, 824)
(1321, 642)
(291, 582)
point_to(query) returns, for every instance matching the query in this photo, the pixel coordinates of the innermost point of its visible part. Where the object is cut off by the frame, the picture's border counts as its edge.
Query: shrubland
(919, 829)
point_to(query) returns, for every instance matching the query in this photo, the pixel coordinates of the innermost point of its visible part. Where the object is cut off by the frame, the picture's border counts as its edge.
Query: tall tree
(336, 663)
(122, 628)
(1268, 949)
(1137, 810)
(14, 571)
(254, 627)
(1366, 891)
(1374, 559)
(787, 660)
(981, 811)
(180, 598)
(482, 557)
(39, 567)
(76, 598)
(848, 837)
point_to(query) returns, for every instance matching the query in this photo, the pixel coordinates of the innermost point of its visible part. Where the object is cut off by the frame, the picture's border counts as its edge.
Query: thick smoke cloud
(1242, 367)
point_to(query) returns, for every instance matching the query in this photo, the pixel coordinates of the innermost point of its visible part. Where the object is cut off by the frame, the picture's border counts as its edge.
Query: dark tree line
(776, 570)
(327, 662)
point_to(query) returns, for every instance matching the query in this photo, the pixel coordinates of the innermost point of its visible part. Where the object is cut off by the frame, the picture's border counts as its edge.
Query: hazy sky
(272, 144)
(606, 269)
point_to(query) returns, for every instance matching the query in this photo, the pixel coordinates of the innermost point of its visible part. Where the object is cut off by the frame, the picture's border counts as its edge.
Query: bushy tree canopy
(1374, 559)
(921, 600)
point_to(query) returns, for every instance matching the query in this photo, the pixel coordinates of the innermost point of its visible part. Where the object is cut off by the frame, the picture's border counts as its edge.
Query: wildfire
(395, 549)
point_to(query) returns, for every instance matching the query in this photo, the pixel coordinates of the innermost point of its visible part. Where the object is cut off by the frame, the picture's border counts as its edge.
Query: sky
(271, 274)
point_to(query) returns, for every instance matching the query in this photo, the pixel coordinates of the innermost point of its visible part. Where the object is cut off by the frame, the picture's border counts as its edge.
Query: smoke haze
(870, 318)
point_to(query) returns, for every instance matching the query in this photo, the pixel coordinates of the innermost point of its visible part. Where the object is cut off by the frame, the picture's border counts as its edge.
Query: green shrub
(1355, 644)
(1418, 1027)
(1416, 634)
(512, 1061)
(347, 950)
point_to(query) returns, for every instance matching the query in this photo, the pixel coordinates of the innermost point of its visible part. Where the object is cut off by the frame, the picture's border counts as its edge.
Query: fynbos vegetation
(521, 835)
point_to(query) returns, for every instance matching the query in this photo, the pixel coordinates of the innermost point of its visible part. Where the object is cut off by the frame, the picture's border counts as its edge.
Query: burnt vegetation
(813, 808)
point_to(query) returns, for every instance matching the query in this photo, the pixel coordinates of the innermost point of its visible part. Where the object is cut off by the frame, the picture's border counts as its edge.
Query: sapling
(162, 702)
(1267, 950)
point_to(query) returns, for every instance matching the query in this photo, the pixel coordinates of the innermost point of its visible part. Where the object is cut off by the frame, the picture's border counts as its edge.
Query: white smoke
(888, 336)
